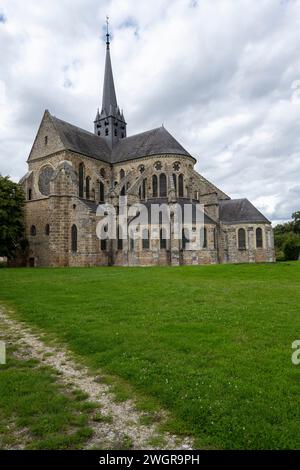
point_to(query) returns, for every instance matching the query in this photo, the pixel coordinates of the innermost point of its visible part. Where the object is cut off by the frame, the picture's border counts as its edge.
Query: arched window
(145, 240)
(81, 179)
(184, 239)
(103, 244)
(101, 191)
(106, 131)
(242, 239)
(162, 185)
(162, 239)
(215, 238)
(120, 239)
(203, 237)
(259, 238)
(74, 238)
(154, 186)
(47, 229)
(29, 194)
(131, 243)
(33, 230)
(122, 174)
(142, 190)
(180, 186)
(122, 193)
(87, 187)
(175, 182)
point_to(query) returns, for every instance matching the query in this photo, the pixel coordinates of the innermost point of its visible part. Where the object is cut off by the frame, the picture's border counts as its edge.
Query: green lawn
(35, 410)
(212, 344)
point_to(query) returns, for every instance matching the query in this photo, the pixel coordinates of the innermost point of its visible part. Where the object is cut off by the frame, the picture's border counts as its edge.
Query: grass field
(32, 404)
(210, 344)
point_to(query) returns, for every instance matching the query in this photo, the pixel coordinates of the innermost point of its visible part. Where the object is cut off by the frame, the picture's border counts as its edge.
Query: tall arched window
(101, 191)
(122, 193)
(122, 174)
(81, 179)
(180, 186)
(74, 238)
(259, 238)
(87, 187)
(154, 186)
(242, 238)
(145, 239)
(29, 194)
(203, 237)
(33, 230)
(120, 239)
(131, 244)
(143, 188)
(184, 239)
(162, 185)
(47, 229)
(215, 238)
(175, 182)
(162, 239)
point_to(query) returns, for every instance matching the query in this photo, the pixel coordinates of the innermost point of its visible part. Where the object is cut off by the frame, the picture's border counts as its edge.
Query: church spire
(109, 94)
(110, 124)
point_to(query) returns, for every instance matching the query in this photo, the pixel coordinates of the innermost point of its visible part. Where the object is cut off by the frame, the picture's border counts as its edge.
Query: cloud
(222, 76)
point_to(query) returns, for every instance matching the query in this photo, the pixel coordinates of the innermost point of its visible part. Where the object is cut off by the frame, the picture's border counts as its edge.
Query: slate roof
(240, 210)
(81, 141)
(153, 142)
(109, 94)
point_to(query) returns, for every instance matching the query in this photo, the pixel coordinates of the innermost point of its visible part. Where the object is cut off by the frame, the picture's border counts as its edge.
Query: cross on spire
(107, 32)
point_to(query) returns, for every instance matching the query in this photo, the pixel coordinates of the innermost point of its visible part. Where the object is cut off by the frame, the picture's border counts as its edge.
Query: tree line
(287, 239)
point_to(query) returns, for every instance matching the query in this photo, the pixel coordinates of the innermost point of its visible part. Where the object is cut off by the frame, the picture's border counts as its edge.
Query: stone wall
(62, 208)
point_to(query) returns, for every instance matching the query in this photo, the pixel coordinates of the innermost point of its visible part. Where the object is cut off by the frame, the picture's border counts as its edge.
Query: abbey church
(71, 171)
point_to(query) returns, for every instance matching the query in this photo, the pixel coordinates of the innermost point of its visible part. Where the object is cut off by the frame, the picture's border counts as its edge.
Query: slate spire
(110, 123)
(109, 93)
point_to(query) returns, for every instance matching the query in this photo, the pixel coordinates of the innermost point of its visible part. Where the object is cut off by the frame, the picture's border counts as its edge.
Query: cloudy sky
(223, 76)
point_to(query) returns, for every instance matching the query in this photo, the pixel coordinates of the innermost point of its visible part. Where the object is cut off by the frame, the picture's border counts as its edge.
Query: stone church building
(71, 171)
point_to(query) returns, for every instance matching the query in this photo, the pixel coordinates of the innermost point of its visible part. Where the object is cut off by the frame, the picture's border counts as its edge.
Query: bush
(291, 247)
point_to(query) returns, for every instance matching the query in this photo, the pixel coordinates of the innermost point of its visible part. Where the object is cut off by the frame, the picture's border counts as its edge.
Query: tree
(296, 221)
(287, 239)
(291, 246)
(11, 218)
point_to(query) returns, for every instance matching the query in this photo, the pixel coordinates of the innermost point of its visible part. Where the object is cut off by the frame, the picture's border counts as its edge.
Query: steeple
(110, 123)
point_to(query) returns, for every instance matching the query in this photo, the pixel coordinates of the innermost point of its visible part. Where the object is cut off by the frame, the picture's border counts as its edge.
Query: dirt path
(123, 419)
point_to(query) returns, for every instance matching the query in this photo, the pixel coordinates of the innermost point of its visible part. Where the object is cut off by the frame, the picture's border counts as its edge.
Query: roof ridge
(140, 133)
(76, 127)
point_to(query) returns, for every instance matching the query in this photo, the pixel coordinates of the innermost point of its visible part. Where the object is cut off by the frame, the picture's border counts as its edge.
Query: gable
(47, 140)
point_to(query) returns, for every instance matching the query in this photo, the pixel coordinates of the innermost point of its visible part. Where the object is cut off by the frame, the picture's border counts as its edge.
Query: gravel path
(123, 419)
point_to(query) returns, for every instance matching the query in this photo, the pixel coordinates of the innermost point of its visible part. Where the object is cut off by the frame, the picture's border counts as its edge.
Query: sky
(223, 76)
